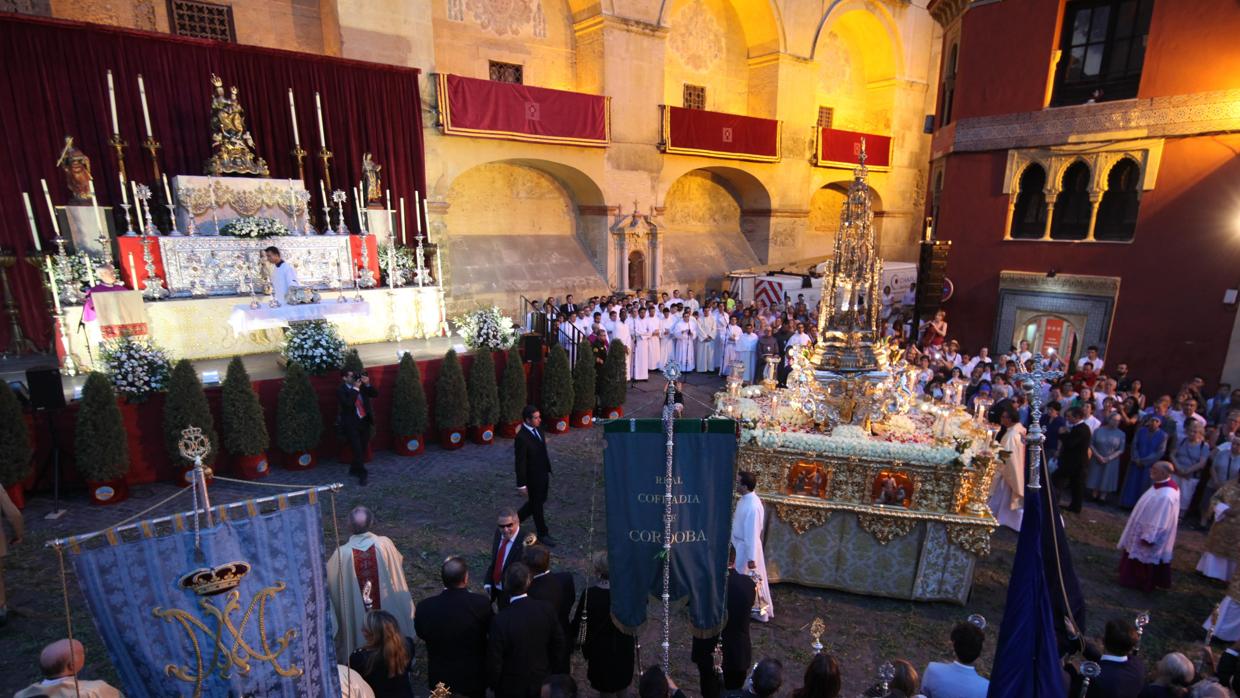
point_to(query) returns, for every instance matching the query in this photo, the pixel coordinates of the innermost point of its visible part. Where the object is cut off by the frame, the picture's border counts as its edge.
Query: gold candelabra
(18, 343)
(119, 145)
(326, 155)
(152, 146)
(299, 157)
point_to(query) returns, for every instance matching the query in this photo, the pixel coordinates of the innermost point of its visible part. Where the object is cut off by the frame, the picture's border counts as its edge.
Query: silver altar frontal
(210, 202)
(217, 265)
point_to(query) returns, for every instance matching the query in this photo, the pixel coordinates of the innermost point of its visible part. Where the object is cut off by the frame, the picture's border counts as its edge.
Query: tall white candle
(426, 216)
(292, 110)
(146, 113)
(137, 207)
(51, 278)
(387, 195)
(323, 194)
(167, 191)
(90, 274)
(318, 108)
(402, 221)
(133, 272)
(34, 229)
(94, 203)
(417, 217)
(116, 128)
(47, 196)
(124, 189)
(357, 200)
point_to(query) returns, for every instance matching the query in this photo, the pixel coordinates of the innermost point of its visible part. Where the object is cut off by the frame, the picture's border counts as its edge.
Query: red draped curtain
(54, 84)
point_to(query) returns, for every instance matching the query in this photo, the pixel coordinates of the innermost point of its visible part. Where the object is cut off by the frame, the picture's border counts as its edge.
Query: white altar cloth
(246, 319)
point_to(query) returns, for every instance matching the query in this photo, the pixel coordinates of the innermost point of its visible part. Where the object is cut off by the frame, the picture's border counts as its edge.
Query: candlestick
(402, 221)
(47, 196)
(116, 129)
(34, 229)
(327, 211)
(146, 112)
(133, 272)
(51, 281)
(417, 216)
(318, 109)
(104, 239)
(339, 197)
(326, 155)
(172, 208)
(137, 206)
(391, 212)
(357, 199)
(67, 365)
(292, 110)
(152, 146)
(129, 232)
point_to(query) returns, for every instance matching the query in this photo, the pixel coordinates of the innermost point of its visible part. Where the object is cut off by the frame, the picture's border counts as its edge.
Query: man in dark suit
(355, 419)
(1073, 458)
(557, 589)
(454, 627)
(742, 593)
(1123, 673)
(569, 308)
(507, 548)
(524, 638)
(533, 471)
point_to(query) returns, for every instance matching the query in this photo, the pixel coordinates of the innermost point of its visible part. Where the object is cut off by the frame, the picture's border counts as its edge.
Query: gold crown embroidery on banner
(209, 581)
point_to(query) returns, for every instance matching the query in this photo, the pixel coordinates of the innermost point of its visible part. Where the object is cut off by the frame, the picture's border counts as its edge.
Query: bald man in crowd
(60, 662)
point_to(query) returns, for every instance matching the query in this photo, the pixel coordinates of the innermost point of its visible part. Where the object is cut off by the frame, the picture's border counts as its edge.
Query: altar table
(246, 319)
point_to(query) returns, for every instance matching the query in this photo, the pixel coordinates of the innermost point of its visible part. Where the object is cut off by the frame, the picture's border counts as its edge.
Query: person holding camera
(355, 419)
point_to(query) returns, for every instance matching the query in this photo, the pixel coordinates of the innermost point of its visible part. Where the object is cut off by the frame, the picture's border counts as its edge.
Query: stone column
(1011, 213)
(622, 243)
(1050, 216)
(1095, 198)
(656, 260)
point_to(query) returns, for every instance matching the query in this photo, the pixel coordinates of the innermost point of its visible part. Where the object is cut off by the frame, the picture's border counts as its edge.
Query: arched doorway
(637, 270)
(1050, 334)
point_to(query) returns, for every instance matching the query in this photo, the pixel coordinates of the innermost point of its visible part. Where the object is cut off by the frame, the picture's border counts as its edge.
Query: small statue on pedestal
(76, 167)
(232, 144)
(370, 175)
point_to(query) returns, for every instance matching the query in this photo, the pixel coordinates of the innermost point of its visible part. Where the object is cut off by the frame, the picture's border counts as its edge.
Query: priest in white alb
(1148, 540)
(641, 346)
(684, 332)
(283, 275)
(667, 342)
(731, 334)
(748, 524)
(1007, 494)
(366, 574)
(704, 351)
(619, 329)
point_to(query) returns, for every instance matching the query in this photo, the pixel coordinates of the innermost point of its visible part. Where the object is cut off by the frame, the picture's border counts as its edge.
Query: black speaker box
(46, 390)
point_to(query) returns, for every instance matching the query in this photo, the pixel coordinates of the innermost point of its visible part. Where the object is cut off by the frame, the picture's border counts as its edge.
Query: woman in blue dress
(1147, 449)
(1108, 445)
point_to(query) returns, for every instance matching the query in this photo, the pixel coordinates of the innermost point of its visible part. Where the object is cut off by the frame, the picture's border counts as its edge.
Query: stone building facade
(533, 219)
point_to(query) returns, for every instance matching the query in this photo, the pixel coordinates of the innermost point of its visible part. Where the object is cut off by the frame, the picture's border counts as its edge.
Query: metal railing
(538, 321)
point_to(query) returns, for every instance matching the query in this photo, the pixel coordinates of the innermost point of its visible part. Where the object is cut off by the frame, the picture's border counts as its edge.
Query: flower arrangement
(849, 444)
(254, 227)
(135, 367)
(316, 346)
(487, 328)
(406, 261)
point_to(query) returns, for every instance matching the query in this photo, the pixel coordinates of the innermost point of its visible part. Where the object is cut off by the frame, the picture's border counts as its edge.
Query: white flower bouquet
(254, 227)
(316, 346)
(136, 368)
(487, 328)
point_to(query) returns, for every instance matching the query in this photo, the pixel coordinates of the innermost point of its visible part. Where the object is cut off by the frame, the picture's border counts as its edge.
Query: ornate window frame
(1098, 157)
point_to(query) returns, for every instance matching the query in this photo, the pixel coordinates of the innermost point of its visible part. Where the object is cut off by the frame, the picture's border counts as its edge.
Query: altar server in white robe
(372, 577)
(654, 331)
(1148, 540)
(747, 352)
(684, 334)
(722, 320)
(799, 339)
(731, 336)
(1007, 499)
(748, 525)
(620, 330)
(283, 275)
(667, 343)
(704, 349)
(641, 346)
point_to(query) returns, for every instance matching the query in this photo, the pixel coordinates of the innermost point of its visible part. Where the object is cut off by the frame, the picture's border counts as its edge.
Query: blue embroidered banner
(247, 618)
(703, 473)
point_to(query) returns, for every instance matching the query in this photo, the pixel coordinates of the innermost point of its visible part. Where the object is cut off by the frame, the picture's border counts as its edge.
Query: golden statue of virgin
(231, 142)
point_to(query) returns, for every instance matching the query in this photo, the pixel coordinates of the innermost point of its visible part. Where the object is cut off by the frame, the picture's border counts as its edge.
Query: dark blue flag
(702, 483)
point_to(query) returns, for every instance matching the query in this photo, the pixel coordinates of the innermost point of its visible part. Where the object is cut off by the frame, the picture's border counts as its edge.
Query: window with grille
(1102, 50)
(694, 97)
(949, 85)
(826, 115)
(202, 20)
(507, 72)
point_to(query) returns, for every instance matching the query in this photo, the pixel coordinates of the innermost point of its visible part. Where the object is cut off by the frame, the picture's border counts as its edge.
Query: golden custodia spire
(848, 332)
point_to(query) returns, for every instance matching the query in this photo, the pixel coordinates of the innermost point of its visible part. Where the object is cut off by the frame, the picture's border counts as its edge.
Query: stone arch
(713, 220)
(554, 217)
(857, 54)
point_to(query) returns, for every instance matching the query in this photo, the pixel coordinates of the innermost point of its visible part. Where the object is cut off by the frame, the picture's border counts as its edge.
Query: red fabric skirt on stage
(1142, 575)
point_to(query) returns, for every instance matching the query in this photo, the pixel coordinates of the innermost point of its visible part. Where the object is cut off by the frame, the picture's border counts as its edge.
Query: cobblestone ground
(444, 503)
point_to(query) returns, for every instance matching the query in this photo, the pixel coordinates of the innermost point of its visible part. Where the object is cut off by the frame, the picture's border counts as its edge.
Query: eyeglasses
(506, 526)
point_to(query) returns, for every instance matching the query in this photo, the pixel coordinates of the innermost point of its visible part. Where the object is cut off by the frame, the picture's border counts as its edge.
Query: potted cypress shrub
(483, 398)
(584, 377)
(614, 388)
(353, 362)
(99, 442)
(451, 402)
(557, 390)
(512, 395)
(243, 424)
(186, 406)
(299, 423)
(15, 447)
(409, 409)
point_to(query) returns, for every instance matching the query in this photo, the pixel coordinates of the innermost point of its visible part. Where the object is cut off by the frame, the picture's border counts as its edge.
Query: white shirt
(1080, 363)
(283, 277)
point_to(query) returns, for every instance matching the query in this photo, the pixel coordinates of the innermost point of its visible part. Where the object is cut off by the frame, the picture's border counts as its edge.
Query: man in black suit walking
(507, 548)
(355, 419)
(533, 471)
(1073, 458)
(557, 589)
(454, 627)
(524, 638)
(1123, 673)
(742, 593)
